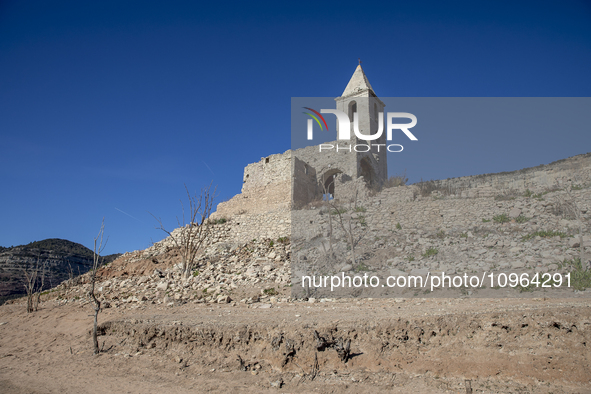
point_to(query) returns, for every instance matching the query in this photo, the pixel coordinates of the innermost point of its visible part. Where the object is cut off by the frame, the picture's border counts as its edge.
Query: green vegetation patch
(504, 218)
(338, 211)
(528, 193)
(430, 252)
(544, 234)
(270, 291)
(580, 276)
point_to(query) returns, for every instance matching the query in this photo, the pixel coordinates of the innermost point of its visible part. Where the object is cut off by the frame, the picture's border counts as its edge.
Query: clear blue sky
(108, 107)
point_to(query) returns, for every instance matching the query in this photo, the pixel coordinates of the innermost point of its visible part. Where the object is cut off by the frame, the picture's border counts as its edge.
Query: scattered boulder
(515, 212)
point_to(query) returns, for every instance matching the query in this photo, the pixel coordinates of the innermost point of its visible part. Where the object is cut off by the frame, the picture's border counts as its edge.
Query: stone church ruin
(297, 177)
(281, 182)
(282, 198)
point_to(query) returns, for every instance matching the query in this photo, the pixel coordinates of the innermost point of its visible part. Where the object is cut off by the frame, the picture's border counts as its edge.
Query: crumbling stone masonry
(276, 185)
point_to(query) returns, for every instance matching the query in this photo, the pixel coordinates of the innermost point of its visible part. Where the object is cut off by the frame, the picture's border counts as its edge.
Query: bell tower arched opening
(352, 109)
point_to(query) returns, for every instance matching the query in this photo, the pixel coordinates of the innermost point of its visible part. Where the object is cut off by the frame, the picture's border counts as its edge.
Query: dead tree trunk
(330, 228)
(347, 225)
(192, 236)
(30, 286)
(96, 263)
(578, 215)
(40, 289)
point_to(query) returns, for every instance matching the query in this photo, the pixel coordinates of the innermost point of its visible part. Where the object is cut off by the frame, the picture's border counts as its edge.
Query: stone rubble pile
(222, 269)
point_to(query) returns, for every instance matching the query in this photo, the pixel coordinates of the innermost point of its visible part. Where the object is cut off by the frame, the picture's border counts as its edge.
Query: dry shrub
(565, 208)
(396, 180)
(426, 188)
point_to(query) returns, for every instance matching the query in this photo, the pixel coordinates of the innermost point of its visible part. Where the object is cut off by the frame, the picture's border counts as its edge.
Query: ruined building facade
(297, 177)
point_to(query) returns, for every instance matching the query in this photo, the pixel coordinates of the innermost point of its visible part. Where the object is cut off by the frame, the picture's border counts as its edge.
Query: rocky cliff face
(62, 259)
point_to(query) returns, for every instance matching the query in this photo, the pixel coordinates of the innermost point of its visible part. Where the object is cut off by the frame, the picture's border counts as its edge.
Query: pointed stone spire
(358, 84)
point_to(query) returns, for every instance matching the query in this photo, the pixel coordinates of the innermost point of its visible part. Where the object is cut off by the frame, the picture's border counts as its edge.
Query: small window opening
(352, 109)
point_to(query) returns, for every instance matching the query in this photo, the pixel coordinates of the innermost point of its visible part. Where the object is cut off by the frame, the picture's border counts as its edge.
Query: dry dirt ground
(398, 346)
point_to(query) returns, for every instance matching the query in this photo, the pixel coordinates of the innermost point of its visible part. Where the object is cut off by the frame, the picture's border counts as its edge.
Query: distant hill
(63, 259)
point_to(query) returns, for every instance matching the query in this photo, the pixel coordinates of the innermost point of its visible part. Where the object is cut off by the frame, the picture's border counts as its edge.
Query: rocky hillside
(253, 272)
(62, 258)
(401, 232)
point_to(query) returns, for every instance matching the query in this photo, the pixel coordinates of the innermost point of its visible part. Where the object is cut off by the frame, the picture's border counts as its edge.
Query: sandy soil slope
(412, 346)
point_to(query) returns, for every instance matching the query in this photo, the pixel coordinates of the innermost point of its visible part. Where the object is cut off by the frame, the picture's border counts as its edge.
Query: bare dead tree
(40, 289)
(30, 274)
(348, 223)
(97, 260)
(194, 228)
(346, 226)
(578, 215)
(325, 189)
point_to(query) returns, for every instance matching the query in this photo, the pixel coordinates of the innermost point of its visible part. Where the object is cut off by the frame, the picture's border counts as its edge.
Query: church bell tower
(361, 103)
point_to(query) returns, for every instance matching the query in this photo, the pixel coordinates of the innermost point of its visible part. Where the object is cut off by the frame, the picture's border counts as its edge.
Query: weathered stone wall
(350, 190)
(304, 187)
(268, 171)
(331, 161)
(277, 180)
(260, 200)
(266, 187)
(270, 225)
(574, 170)
(461, 213)
(240, 229)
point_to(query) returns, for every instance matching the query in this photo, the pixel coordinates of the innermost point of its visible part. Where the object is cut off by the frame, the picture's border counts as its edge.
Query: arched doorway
(328, 183)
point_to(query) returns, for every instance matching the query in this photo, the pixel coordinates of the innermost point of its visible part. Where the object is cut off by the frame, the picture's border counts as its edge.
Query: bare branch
(30, 276)
(194, 229)
(578, 215)
(99, 246)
